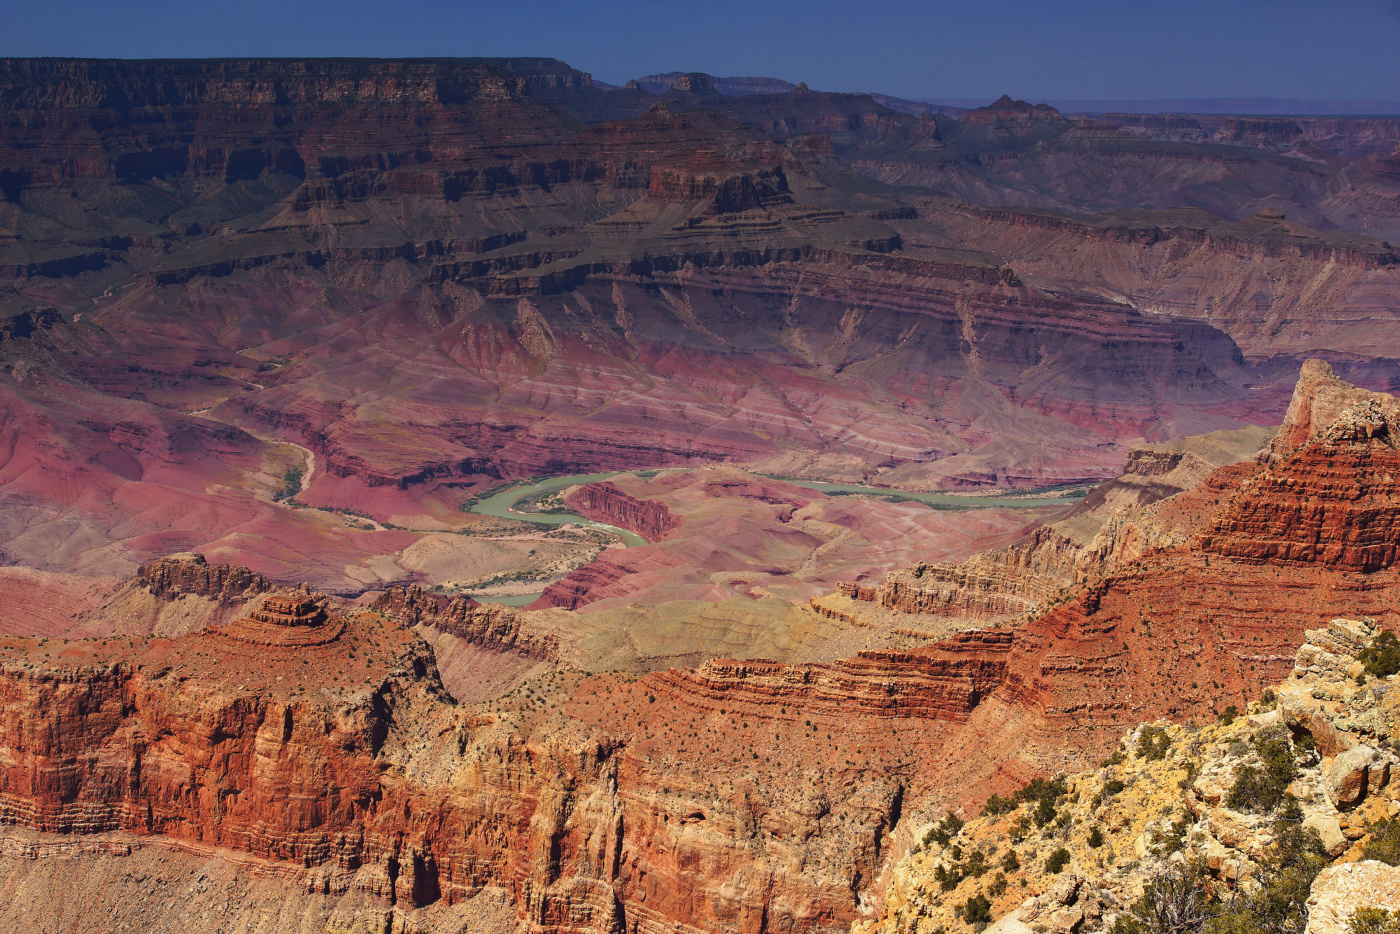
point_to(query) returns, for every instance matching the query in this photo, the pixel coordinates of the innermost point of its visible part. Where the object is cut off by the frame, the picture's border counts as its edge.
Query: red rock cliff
(604, 502)
(190, 573)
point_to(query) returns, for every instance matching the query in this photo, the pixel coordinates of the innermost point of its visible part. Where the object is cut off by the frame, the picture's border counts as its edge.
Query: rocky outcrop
(582, 586)
(1319, 401)
(190, 573)
(1340, 891)
(154, 102)
(1349, 137)
(976, 589)
(1167, 799)
(604, 502)
(660, 83)
(1006, 113)
(284, 622)
(25, 323)
(490, 625)
(941, 683)
(1329, 495)
(175, 750)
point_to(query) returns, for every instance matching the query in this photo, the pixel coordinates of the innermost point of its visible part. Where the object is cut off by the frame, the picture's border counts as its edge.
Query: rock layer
(604, 502)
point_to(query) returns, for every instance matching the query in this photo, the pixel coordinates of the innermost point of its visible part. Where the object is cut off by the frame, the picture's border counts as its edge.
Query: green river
(499, 505)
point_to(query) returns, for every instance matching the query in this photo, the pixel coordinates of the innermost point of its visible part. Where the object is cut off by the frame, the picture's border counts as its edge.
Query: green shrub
(1229, 715)
(1176, 836)
(944, 831)
(1057, 861)
(1375, 921)
(1384, 844)
(1153, 743)
(1010, 863)
(291, 484)
(1382, 656)
(1178, 901)
(1095, 838)
(1288, 871)
(1043, 794)
(1261, 790)
(996, 804)
(976, 910)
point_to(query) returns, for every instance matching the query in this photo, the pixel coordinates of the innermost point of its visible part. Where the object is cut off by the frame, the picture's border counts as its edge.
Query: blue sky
(1125, 49)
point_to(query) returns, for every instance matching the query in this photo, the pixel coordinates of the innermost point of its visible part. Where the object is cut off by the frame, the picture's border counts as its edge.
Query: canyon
(264, 271)
(271, 329)
(317, 739)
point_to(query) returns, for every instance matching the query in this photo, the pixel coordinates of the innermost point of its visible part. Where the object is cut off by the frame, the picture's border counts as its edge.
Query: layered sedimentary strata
(1268, 280)
(189, 573)
(433, 276)
(284, 622)
(431, 280)
(944, 682)
(1319, 400)
(490, 625)
(604, 502)
(1121, 168)
(1328, 496)
(606, 802)
(1115, 524)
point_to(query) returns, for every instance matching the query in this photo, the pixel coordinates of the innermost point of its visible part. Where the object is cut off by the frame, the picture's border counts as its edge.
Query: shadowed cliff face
(1012, 153)
(740, 795)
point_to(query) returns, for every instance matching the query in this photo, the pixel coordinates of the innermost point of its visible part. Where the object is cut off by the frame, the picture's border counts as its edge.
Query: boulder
(1330, 830)
(1349, 774)
(1062, 920)
(1010, 925)
(1339, 891)
(1301, 711)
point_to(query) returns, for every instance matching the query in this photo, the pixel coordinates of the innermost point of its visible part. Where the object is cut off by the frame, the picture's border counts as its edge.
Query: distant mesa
(1005, 110)
(695, 82)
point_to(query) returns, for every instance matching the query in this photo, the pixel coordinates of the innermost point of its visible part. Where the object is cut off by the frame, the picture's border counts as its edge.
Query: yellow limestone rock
(1339, 890)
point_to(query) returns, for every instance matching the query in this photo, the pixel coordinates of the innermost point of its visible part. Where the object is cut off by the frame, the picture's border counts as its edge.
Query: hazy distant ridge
(1204, 105)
